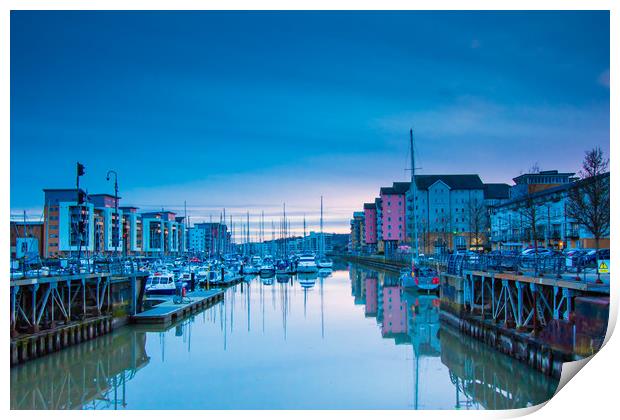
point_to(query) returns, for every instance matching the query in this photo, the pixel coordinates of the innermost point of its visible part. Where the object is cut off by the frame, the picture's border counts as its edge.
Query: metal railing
(537, 265)
(117, 266)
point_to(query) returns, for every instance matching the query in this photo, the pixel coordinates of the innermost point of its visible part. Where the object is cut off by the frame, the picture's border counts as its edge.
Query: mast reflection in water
(351, 339)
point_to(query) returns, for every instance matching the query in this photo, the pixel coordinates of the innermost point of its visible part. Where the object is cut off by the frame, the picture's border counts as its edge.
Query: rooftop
(104, 195)
(496, 191)
(540, 174)
(455, 182)
(549, 191)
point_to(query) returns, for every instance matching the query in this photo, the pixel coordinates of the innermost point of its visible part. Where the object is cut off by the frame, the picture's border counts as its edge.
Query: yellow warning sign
(603, 267)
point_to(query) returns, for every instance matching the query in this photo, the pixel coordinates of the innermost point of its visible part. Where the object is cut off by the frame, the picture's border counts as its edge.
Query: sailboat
(417, 277)
(322, 261)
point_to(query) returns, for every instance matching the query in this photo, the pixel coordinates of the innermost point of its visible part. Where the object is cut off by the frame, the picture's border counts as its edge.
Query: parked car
(590, 257)
(541, 253)
(574, 256)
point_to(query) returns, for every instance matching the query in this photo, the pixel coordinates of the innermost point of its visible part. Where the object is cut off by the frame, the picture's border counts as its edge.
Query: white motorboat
(307, 264)
(251, 269)
(160, 284)
(202, 274)
(324, 262)
(185, 276)
(267, 268)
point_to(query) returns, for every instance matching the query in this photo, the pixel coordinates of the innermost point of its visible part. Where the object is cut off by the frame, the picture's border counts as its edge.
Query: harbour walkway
(168, 311)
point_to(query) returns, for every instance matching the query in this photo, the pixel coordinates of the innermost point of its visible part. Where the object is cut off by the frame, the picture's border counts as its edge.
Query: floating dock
(167, 311)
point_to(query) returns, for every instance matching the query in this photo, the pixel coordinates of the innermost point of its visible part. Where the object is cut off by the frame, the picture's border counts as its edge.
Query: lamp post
(115, 239)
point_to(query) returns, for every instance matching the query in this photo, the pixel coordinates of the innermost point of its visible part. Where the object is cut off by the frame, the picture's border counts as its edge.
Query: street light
(115, 239)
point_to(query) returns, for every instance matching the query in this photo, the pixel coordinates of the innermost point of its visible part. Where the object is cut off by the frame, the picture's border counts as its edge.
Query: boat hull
(307, 269)
(424, 285)
(161, 292)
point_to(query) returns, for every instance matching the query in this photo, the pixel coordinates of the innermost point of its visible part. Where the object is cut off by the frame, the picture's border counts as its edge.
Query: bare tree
(534, 169)
(531, 217)
(477, 220)
(441, 231)
(423, 236)
(588, 200)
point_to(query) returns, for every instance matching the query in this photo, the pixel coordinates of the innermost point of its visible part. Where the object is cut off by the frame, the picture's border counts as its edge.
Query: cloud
(475, 117)
(459, 137)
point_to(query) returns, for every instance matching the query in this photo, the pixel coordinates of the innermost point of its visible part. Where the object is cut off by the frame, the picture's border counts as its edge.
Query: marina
(308, 209)
(352, 337)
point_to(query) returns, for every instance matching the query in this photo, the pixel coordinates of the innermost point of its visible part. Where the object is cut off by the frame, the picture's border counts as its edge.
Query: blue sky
(247, 110)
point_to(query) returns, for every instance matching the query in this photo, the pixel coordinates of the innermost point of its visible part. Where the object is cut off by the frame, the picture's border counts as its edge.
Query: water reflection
(481, 377)
(302, 335)
(92, 375)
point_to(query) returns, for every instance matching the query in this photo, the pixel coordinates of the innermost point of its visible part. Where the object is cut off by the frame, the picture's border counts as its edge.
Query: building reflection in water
(481, 376)
(269, 315)
(92, 375)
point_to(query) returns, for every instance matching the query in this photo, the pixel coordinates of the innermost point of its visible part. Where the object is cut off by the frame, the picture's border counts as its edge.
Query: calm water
(351, 340)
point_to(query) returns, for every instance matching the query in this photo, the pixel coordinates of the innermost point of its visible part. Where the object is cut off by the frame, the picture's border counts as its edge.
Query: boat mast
(304, 238)
(414, 187)
(223, 230)
(185, 207)
(321, 245)
(210, 235)
(273, 238)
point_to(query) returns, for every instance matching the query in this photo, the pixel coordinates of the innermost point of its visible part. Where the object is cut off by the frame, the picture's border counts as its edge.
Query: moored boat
(267, 267)
(421, 278)
(307, 264)
(324, 262)
(160, 284)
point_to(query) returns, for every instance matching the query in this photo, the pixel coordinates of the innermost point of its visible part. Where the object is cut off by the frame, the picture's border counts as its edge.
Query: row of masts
(218, 243)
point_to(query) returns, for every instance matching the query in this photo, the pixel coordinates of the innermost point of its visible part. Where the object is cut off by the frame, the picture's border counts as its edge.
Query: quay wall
(377, 262)
(580, 334)
(97, 312)
(577, 333)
